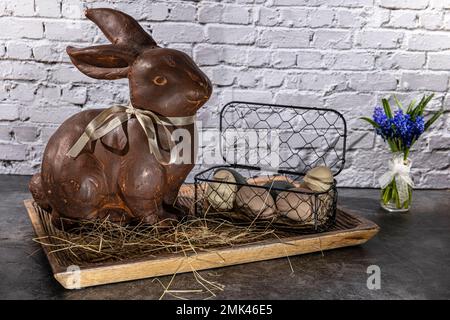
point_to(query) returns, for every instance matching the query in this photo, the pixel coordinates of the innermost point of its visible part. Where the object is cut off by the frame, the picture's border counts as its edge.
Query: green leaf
(433, 119)
(410, 107)
(387, 108)
(424, 104)
(419, 109)
(398, 103)
(392, 145)
(373, 123)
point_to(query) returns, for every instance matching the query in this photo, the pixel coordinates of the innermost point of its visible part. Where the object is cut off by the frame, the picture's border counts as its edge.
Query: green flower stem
(396, 146)
(390, 195)
(387, 194)
(406, 154)
(396, 197)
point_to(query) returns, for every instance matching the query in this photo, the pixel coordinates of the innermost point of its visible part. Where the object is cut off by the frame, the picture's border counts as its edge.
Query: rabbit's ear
(120, 28)
(103, 62)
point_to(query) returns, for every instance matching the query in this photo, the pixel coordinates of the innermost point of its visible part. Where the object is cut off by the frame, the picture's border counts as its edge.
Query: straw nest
(97, 241)
(102, 241)
(94, 242)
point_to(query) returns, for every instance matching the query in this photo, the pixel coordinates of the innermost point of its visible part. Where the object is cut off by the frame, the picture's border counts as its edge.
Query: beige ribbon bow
(113, 117)
(399, 170)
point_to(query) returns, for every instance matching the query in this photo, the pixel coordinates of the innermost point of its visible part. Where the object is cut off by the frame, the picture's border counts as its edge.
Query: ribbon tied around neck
(113, 117)
(399, 170)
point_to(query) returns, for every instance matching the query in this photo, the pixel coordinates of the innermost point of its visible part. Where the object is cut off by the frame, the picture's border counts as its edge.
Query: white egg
(221, 194)
(319, 179)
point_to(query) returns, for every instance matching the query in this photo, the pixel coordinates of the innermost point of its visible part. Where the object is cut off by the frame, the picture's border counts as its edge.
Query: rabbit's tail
(35, 186)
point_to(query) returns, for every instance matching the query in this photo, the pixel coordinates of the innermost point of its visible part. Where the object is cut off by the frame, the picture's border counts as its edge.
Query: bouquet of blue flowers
(400, 129)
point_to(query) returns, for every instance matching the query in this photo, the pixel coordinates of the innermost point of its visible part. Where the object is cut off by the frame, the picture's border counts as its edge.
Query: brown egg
(267, 179)
(296, 206)
(319, 179)
(277, 186)
(256, 202)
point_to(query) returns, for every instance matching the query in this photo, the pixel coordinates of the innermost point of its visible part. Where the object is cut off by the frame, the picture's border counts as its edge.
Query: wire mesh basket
(269, 152)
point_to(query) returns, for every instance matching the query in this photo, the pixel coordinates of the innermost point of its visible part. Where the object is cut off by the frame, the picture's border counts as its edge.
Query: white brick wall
(342, 54)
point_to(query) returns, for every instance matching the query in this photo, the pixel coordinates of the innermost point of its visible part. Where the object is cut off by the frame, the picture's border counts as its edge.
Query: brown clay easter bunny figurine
(124, 174)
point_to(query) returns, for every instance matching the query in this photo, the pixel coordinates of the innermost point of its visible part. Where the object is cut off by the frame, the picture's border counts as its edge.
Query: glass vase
(397, 185)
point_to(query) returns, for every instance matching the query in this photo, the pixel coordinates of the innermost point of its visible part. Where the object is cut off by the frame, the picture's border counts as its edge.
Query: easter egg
(265, 179)
(256, 202)
(221, 193)
(278, 184)
(319, 179)
(296, 206)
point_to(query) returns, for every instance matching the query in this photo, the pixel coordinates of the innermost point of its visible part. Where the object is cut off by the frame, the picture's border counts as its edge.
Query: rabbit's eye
(159, 80)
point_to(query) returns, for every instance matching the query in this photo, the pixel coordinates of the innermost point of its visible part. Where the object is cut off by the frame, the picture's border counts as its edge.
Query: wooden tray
(349, 230)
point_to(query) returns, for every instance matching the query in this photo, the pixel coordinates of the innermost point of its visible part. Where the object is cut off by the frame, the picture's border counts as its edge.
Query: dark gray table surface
(412, 251)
